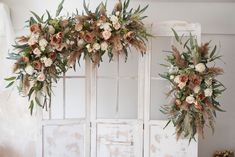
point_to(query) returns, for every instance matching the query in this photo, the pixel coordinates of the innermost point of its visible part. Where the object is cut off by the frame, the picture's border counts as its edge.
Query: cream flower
(80, 42)
(89, 49)
(96, 46)
(172, 77)
(78, 27)
(51, 29)
(48, 62)
(104, 46)
(43, 43)
(106, 35)
(33, 39)
(29, 69)
(173, 69)
(116, 25)
(41, 77)
(208, 92)
(196, 89)
(37, 52)
(106, 26)
(200, 67)
(208, 82)
(177, 79)
(114, 19)
(190, 99)
(117, 13)
(181, 85)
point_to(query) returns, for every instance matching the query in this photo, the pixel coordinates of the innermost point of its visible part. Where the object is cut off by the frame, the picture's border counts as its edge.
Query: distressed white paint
(64, 141)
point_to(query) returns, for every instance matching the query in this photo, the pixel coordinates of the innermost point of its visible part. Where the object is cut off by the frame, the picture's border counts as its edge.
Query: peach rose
(37, 65)
(106, 35)
(34, 28)
(89, 37)
(64, 23)
(78, 26)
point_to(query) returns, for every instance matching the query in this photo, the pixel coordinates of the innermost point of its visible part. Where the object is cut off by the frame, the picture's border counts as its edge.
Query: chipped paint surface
(64, 141)
(163, 143)
(115, 140)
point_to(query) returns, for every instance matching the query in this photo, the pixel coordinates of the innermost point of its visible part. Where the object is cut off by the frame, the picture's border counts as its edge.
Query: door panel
(163, 143)
(64, 140)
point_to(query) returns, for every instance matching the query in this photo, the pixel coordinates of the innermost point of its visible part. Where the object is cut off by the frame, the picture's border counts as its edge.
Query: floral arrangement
(56, 44)
(225, 153)
(195, 88)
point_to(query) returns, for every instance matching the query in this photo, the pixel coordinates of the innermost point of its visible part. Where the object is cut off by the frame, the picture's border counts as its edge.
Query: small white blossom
(190, 99)
(29, 69)
(177, 79)
(80, 42)
(51, 29)
(89, 49)
(208, 92)
(41, 77)
(43, 43)
(208, 82)
(33, 39)
(200, 67)
(96, 46)
(104, 46)
(182, 85)
(106, 26)
(117, 13)
(172, 77)
(48, 62)
(173, 69)
(114, 19)
(37, 52)
(196, 89)
(116, 25)
(106, 35)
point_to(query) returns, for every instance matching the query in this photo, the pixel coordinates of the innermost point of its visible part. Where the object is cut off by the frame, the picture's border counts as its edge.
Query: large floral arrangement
(225, 153)
(56, 44)
(195, 88)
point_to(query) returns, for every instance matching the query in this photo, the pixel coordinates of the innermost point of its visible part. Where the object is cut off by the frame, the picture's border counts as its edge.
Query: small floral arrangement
(56, 44)
(195, 88)
(225, 153)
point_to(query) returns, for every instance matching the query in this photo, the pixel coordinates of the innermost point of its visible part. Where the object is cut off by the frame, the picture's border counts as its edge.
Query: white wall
(218, 23)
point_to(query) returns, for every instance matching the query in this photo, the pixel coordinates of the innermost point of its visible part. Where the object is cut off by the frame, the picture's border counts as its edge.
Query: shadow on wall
(7, 151)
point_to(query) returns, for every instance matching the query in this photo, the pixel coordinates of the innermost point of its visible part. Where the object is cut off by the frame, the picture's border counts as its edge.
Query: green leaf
(167, 124)
(48, 15)
(176, 35)
(38, 101)
(213, 52)
(10, 78)
(31, 106)
(37, 17)
(143, 10)
(86, 7)
(10, 84)
(59, 9)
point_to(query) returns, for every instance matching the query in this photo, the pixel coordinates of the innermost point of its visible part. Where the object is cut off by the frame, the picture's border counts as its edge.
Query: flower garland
(56, 44)
(195, 89)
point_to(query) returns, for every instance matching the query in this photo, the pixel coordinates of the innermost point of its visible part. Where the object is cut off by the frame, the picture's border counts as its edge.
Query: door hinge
(143, 126)
(90, 124)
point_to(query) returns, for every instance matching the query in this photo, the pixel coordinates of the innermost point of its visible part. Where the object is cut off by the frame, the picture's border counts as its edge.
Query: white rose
(172, 77)
(41, 77)
(43, 43)
(33, 39)
(116, 25)
(48, 62)
(196, 89)
(104, 46)
(106, 35)
(29, 69)
(106, 26)
(114, 19)
(96, 46)
(208, 92)
(208, 82)
(89, 49)
(80, 42)
(190, 99)
(181, 85)
(173, 69)
(200, 67)
(37, 52)
(51, 29)
(177, 79)
(117, 13)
